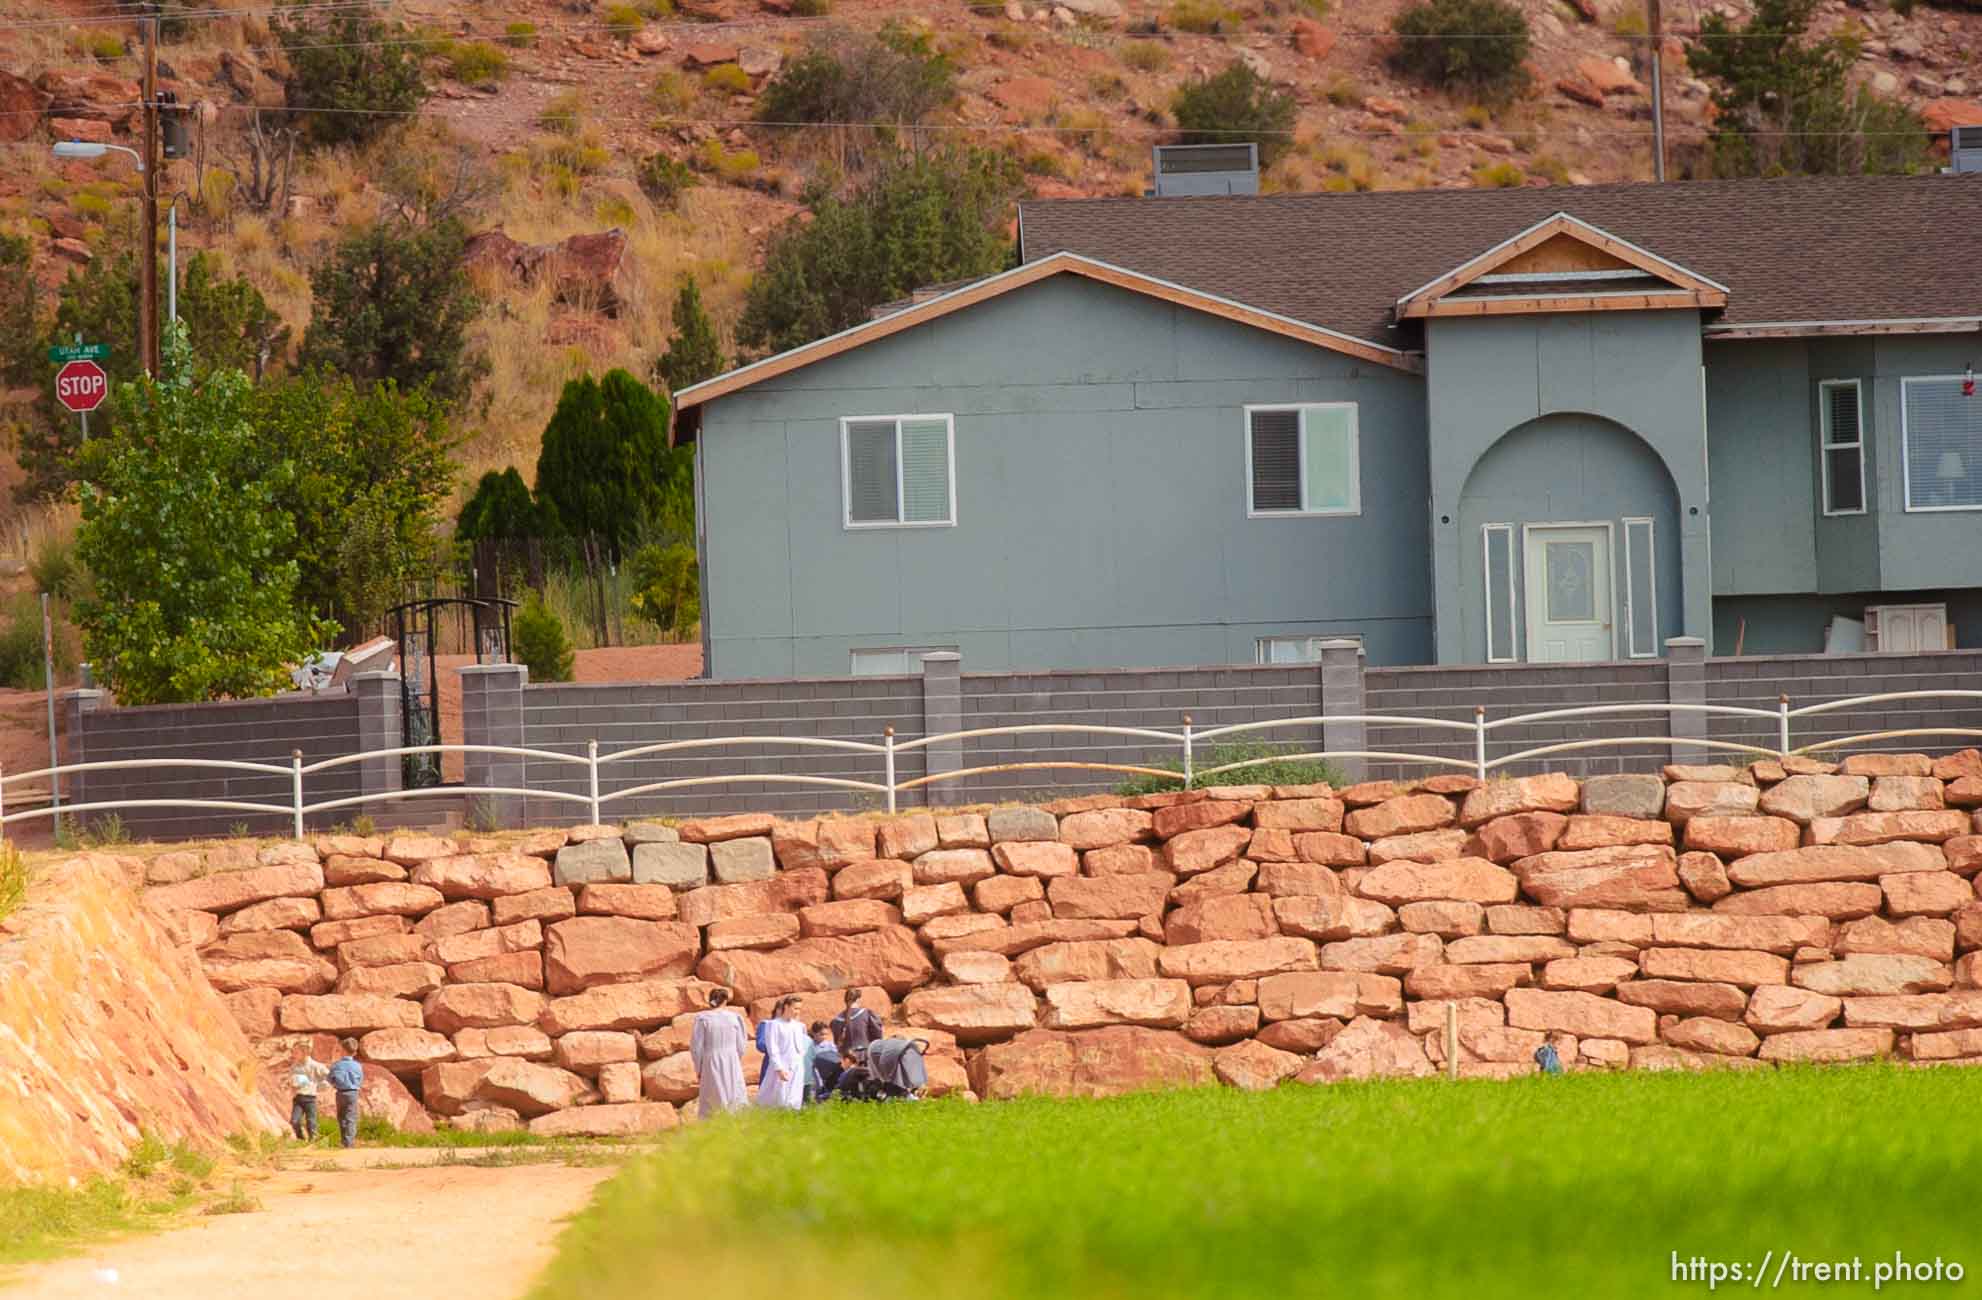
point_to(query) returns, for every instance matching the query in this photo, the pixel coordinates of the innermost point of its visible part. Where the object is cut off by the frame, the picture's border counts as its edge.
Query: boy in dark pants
(347, 1076)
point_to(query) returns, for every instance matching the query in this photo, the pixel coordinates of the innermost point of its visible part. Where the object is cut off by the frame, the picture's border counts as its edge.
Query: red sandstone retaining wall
(1705, 916)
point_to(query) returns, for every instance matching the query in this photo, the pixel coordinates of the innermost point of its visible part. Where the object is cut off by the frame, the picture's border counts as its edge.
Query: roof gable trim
(1687, 288)
(997, 285)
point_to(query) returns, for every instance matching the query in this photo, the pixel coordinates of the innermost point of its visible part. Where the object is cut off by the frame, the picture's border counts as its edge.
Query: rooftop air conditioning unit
(1965, 148)
(1207, 169)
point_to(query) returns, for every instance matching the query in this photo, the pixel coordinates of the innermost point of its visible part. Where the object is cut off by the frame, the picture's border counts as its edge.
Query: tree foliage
(501, 507)
(1785, 103)
(228, 326)
(881, 82)
(694, 352)
(368, 470)
(195, 579)
(393, 303)
(351, 74)
(21, 363)
(1478, 47)
(606, 466)
(1234, 107)
(540, 643)
(915, 222)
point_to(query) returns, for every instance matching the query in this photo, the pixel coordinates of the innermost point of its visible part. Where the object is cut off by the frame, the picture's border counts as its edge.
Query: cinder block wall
(1699, 917)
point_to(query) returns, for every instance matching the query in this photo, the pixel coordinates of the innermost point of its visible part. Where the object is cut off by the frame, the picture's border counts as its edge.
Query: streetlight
(91, 149)
(148, 284)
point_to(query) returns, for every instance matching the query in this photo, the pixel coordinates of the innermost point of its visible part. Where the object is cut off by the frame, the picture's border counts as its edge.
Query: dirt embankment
(108, 1029)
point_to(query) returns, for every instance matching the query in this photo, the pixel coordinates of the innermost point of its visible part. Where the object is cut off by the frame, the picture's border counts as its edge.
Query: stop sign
(81, 386)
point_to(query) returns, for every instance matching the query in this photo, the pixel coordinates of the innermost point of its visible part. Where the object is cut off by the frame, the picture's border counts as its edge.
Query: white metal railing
(1186, 740)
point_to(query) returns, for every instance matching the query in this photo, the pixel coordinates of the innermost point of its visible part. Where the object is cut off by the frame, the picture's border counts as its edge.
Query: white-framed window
(1641, 590)
(894, 661)
(1501, 616)
(1841, 444)
(1941, 443)
(898, 471)
(1298, 648)
(1302, 460)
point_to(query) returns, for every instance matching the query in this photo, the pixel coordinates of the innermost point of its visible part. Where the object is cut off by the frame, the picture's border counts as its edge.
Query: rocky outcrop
(584, 270)
(1249, 936)
(109, 1030)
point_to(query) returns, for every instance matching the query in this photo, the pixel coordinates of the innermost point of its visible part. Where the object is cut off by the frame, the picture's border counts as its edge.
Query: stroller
(892, 1071)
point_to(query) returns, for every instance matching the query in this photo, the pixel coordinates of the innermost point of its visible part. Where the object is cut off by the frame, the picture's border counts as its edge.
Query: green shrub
(895, 77)
(1497, 176)
(55, 568)
(1476, 45)
(727, 164)
(811, 8)
(666, 587)
(613, 210)
(20, 644)
(1146, 56)
(1267, 764)
(1236, 105)
(727, 78)
(477, 63)
(672, 92)
(519, 35)
(664, 179)
(1343, 90)
(622, 20)
(1630, 20)
(349, 60)
(98, 45)
(541, 645)
(1204, 16)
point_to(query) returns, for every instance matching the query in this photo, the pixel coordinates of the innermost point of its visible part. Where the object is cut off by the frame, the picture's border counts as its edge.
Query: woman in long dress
(785, 1048)
(716, 1047)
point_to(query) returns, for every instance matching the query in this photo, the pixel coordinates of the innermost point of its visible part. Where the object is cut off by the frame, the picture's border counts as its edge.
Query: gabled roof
(1030, 273)
(1562, 264)
(1799, 250)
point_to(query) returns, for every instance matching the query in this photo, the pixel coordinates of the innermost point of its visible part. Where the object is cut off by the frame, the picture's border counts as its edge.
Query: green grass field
(1580, 1185)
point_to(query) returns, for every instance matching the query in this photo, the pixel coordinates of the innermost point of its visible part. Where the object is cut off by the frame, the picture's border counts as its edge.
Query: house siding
(1100, 498)
(1619, 392)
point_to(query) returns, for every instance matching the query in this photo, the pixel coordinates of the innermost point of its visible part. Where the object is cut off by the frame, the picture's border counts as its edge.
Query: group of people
(802, 1065)
(307, 1074)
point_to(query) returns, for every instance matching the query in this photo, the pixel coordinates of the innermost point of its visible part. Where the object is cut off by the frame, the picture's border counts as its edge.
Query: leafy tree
(1785, 103)
(195, 586)
(228, 323)
(22, 361)
(540, 644)
(694, 352)
(606, 466)
(501, 508)
(916, 221)
(666, 587)
(894, 79)
(1235, 106)
(368, 470)
(1475, 46)
(393, 303)
(351, 74)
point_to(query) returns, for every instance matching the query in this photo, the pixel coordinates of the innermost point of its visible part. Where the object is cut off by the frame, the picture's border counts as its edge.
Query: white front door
(1568, 594)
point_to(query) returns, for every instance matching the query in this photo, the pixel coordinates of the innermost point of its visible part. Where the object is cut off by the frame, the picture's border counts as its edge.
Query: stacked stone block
(1702, 916)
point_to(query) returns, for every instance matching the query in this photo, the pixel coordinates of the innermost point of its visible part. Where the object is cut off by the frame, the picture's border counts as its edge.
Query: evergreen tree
(352, 74)
(501, 507)
(1236, 106)
(393, 303)
(606, 466)
(694, 352)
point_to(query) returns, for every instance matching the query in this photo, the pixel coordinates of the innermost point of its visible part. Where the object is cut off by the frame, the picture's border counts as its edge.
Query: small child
(822, 1064)
(1547, 1059)
(347, 1076)
(306, 1075)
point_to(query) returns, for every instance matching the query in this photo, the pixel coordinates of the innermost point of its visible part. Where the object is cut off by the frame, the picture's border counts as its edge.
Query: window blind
(925, 457)
(1276, 460)
(1943, 445)
(871, 482)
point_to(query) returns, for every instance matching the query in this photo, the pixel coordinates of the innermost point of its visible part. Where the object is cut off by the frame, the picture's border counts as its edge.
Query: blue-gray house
(1462, 426)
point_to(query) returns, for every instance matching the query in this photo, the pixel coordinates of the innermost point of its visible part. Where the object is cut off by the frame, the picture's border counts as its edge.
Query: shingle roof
(1790, 249)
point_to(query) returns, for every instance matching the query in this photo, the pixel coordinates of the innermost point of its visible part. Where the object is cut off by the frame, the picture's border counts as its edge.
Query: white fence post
(888, 742)
(1782, 725)
(592, 778)
(296, 786)
(1480, 741)
(1187, 751)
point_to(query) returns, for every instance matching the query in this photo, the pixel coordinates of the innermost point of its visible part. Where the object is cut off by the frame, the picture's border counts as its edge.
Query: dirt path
(370, 1227)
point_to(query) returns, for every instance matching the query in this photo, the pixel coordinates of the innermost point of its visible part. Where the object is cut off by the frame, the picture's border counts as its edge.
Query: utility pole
(1657, 24)
(148, 236)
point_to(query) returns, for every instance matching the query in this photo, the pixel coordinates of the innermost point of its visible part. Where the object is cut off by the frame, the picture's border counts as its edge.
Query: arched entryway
(1570, 546)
